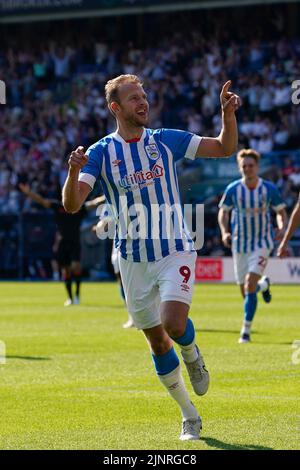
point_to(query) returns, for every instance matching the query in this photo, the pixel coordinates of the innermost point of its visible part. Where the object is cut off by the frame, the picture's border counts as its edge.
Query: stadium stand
(55, 81)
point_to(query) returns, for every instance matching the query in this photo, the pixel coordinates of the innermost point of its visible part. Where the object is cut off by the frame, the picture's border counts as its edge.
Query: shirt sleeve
(91, 171)
(181, 143)
(277, 203)
(227, 202)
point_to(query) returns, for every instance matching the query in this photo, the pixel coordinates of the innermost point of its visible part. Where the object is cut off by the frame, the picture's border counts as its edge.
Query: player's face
(133, 105)
(249, 168)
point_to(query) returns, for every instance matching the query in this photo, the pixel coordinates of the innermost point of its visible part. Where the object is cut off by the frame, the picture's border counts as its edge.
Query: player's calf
(193, 360)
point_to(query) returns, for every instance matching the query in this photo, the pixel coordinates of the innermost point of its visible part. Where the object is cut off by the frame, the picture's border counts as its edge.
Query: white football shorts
(254, 262)
(147, 284)
(115, 259)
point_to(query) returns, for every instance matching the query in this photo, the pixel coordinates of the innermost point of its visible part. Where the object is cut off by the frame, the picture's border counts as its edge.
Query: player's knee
(160, 346)
(250, 285)
(174, 330)
(160, 343)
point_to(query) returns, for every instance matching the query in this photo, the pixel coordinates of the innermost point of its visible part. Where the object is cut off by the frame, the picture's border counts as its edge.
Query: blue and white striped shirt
(139, 173)
(251, 217)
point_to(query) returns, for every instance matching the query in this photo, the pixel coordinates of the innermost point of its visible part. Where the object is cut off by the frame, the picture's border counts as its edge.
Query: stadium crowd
(56, 102)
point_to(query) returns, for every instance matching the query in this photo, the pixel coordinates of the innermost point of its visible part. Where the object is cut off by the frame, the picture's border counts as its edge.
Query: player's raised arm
(293, 224)
(226, 143)
(75, 192)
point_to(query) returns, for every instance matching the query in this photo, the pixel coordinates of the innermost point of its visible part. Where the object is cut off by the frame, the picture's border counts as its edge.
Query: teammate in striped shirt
(136, 166)
(293, 225)
(251, 237)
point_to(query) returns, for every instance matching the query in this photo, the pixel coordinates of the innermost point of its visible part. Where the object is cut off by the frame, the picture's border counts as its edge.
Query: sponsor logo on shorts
(185, 288)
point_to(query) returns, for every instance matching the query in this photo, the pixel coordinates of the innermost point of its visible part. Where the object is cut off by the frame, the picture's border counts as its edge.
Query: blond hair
(251, 153)
(112, 87)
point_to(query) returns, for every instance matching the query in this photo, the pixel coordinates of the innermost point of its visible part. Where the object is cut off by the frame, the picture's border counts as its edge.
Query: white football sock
(189, 352)
(246, 327)
(262, 284)
(175, 385)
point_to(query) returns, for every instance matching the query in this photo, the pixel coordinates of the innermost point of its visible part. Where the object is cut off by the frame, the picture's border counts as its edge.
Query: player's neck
(251, 183)
(129, 132)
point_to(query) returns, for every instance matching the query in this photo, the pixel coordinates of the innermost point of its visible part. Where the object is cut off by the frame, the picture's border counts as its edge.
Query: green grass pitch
(74, 379)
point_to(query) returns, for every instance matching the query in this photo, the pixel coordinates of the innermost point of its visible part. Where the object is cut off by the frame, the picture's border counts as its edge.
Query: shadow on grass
(236, 332)
(30, 358)
(225, 446)
(198, 330)
(277, 343)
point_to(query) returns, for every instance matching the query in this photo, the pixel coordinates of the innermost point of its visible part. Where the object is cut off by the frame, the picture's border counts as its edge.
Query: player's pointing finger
(226, 87)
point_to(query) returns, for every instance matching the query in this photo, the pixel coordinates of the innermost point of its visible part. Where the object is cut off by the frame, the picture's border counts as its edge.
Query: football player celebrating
(136, 166)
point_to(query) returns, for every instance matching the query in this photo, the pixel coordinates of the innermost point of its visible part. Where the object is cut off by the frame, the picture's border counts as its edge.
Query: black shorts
(68, 251)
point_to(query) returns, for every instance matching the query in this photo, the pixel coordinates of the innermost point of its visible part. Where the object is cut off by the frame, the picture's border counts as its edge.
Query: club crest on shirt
(152, 151)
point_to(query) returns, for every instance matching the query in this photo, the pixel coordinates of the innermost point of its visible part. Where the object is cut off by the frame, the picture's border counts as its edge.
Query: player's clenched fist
(226, 239)
(78, 159)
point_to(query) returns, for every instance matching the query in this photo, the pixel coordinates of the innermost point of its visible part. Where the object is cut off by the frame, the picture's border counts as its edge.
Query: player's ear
(114, 107)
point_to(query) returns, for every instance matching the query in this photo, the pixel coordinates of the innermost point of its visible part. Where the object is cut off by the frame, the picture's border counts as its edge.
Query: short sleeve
(276, 201)
(227, 201)
(91, 171)
(181, 143)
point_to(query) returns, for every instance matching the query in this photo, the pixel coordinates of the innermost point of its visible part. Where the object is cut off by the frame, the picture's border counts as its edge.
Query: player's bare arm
(25, 188)
(282, 221)
(226, 143)
(293, 225)
(223, 219)
(75, 192)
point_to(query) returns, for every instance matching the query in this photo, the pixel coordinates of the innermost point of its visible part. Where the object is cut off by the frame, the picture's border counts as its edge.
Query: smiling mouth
(142, 113)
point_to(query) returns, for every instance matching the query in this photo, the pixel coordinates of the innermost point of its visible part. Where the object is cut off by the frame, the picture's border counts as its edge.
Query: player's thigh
(240, 264)
(176, 276)
(141, 293)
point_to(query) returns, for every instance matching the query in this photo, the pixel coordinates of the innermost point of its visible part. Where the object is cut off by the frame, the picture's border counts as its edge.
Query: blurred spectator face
(248, 168)
(133, 106)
